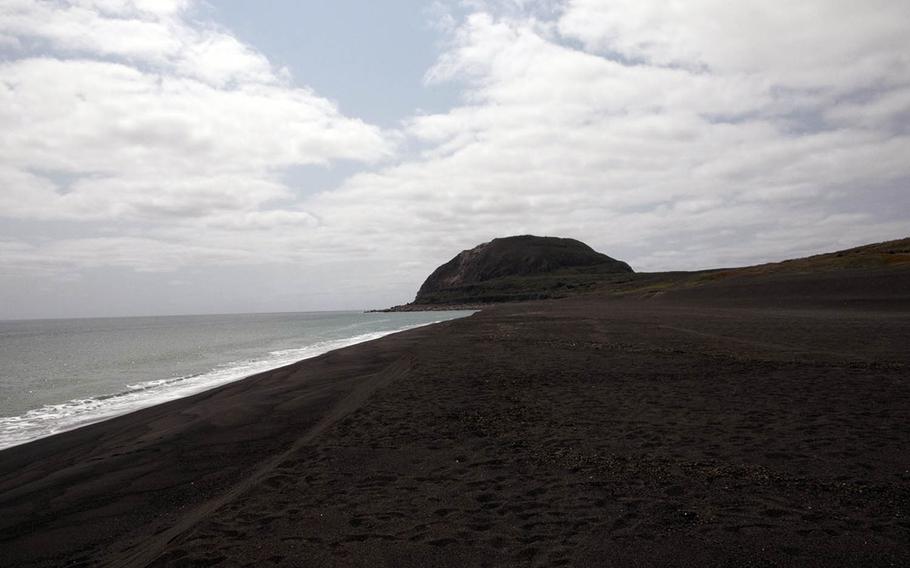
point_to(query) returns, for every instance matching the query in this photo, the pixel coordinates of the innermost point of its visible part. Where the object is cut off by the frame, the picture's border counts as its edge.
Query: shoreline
(433, 308)
(28, 471)
(579, 431)
(140, 398)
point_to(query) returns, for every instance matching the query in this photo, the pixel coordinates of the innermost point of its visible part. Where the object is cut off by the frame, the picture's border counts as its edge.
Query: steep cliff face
(511, 257)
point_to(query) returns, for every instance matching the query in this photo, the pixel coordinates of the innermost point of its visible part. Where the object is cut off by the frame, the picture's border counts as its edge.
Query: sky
(182, 156)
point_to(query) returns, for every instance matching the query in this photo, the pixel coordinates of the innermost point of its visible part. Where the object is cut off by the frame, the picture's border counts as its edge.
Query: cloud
(817, 43)
(143, 113)
(138, 253)
(659, 134)
(155, 35)
(672, 135)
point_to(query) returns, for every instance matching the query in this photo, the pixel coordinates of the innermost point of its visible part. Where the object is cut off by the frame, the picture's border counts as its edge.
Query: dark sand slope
(732, 428)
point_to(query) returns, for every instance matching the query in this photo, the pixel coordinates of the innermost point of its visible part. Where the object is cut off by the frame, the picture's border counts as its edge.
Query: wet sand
(728, 428)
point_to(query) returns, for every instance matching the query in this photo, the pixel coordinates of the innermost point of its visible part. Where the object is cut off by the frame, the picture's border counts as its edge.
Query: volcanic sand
(582, 432)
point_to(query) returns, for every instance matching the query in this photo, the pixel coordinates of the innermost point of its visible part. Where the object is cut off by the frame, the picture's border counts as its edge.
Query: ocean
(57, 375)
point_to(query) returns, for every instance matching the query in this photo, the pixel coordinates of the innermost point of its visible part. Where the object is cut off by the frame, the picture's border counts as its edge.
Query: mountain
(533, 268)
(517, 268)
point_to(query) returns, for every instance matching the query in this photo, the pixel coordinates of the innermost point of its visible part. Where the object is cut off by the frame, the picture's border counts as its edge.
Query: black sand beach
(756, 424)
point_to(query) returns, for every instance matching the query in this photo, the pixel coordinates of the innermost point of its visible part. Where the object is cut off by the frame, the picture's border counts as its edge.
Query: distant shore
(433, 308)
(733, 426)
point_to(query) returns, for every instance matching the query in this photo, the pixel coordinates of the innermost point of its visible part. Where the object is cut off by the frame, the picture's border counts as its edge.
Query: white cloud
(145, 114)
(156, 35)
(815, 43)
(673, 135)
(121, 29)
(139, 253)
(673, 129)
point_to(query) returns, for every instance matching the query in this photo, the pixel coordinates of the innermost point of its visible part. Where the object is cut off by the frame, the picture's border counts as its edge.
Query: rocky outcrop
(512, 258)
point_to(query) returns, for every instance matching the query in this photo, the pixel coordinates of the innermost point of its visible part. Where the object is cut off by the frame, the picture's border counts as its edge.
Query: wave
(56, 418)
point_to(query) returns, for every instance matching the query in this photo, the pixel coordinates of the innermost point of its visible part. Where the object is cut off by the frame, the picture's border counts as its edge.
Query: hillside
(532, 268)
(517, 268)
(864, 276)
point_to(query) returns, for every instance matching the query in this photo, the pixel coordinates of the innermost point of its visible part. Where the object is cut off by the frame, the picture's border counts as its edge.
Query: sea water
(57, 375)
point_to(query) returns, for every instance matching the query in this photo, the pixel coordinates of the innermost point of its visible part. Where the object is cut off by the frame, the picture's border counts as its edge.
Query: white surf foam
(55, 418)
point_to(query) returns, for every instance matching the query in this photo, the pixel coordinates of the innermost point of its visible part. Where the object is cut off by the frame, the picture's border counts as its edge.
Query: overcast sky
(176, 156)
